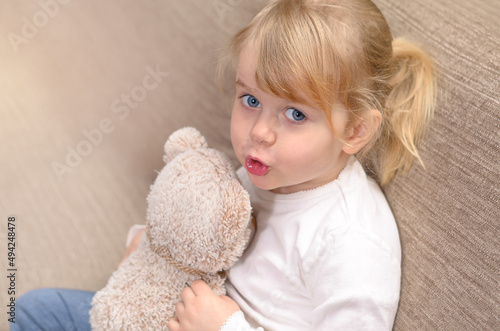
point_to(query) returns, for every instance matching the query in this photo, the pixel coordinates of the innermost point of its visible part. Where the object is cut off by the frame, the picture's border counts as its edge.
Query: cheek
(318, 150)
(236, 129)
(296, 153)
(233, 133)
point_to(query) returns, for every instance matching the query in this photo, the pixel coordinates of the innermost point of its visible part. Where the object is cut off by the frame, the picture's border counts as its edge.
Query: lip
(255, 166)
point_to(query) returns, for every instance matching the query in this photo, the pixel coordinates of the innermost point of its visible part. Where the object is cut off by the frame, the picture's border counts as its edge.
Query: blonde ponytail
(408, 109)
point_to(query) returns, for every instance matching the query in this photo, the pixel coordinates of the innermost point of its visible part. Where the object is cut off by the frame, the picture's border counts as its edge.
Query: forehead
(247, 64)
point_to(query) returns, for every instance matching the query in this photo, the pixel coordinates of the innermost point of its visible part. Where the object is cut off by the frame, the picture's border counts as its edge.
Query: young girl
(317, 82)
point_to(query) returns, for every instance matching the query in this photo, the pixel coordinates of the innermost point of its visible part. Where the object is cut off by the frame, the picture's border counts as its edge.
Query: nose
(263, 131)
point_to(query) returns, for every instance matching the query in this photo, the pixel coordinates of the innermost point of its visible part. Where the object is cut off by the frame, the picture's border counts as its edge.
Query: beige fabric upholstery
(449, 216)
(79, 88)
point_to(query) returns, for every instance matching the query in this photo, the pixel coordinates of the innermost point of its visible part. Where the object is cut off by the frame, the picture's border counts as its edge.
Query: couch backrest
(449, 215)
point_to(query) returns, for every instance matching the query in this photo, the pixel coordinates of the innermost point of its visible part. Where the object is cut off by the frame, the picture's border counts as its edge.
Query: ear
(361, 130)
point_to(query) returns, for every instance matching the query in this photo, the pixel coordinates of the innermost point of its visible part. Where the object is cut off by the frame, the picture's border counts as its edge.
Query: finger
(174, 324)
(180, 308)
(199, 287)
(187, 294)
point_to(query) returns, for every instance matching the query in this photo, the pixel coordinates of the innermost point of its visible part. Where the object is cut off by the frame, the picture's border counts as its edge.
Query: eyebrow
(239, 82)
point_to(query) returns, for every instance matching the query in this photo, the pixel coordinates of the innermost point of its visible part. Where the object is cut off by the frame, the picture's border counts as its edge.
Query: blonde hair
(328, 51)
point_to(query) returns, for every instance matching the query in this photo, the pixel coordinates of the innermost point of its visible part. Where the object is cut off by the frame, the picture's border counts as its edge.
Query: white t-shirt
(322, 259)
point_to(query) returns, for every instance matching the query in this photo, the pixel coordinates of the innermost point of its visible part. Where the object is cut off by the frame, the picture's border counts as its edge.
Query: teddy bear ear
(236, 210)
(182, 140)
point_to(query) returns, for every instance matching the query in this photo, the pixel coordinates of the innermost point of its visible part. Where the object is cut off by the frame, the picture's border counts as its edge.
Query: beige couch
(92, 89)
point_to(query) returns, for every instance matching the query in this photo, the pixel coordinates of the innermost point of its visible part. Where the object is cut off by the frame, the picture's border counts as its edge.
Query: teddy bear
(198, 224)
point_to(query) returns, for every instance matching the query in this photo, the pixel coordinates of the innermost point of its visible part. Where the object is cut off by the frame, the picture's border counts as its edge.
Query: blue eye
(250, 101)
(295, 115)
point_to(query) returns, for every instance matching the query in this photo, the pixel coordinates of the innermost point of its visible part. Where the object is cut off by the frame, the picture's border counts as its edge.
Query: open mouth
(255, 166)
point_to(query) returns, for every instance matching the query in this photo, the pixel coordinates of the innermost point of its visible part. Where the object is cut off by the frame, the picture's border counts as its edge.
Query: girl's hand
(201, 309)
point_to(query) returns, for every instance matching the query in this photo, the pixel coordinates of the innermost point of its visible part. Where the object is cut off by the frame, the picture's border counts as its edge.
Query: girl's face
(285, 146)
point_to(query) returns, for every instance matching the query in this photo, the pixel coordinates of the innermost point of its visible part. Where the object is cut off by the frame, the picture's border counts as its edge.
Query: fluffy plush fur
(198, 225)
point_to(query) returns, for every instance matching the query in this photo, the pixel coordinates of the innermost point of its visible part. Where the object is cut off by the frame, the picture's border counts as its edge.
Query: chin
(262, 183)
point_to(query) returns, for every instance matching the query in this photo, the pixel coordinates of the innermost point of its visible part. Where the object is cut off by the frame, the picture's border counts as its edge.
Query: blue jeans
(53, 310)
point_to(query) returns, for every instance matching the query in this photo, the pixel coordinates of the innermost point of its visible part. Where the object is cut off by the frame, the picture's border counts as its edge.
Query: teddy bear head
(198, 212)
